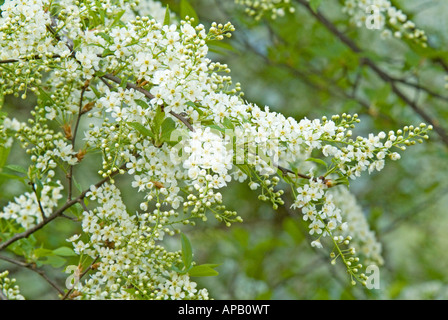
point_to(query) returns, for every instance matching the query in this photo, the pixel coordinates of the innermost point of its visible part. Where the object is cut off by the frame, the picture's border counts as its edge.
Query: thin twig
(57, 213)
(147, 94)
(382, 74)
(32, 267)
(42, 212)
(67, 294)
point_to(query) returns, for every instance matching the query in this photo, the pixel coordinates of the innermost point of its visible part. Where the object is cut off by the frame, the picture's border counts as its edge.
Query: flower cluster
(127, 262)
(143, 97)
(364, 239)
(209, 160)
(271, 8)
(30, 209)
(8, 287)
(381, 14)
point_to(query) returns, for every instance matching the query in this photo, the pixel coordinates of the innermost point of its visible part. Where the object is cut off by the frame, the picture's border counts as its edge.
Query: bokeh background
(295, 66)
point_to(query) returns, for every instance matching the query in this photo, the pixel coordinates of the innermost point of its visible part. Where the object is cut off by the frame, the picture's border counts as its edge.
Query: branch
(330, 86)
(421, 88)
(57, 213)
(42, 212)
(147, 94)
(75, 131)
(32, 267)
(382, 74)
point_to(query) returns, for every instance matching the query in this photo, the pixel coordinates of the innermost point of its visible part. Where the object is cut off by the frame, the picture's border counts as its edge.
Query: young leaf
(195, 107)
(142, 129)
(319, 161)
(187, 10)
(38, 187)
(17, 168)
(167, 19)
(216, 127)
(64, 252)
(314, 4)
(168, 126)
(117, 18)
(42, 252)
(203, 270)
(77, 185)
(142, 103)
(4, 152)
(55, 261)
(228, 123)
(158, 119)
(187, 252)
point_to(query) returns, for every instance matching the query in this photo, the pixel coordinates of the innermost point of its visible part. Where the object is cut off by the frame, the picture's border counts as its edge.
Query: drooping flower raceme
(382, 15)
(270, 8)
(143, 96)
(8, 288)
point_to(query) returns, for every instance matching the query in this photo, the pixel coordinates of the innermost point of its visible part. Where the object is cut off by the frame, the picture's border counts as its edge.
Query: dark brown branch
(421, 88)
(148, 95)
(382, 74)
(183, 120)
(56, 214)
(129, 85)
(32, 267)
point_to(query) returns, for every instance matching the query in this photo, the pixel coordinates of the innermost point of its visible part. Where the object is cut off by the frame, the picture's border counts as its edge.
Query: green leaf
(105, 36)
(117, 18)
(17, 168)
(55, 261)
(194, 106)
(38, 187)
(187, 10)
(11, 176)
(77, 209)
(167, 19)
(24, 247)
(95, 90)
(4, 153)
(319, 161)
(141, 129)
(124, 83)
(107, 52)
(42, 252)
(343, 180)
(142, 103)
(158, 119)
(228, 123)
(178, 270)
(220, 46)
(204, 270)
(216, 127)
(77, 185)
(314, 4)
(168, 126)
(64, 252)
(187, 252)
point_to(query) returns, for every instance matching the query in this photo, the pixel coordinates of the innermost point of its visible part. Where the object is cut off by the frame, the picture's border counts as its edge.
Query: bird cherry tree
(127, 88)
